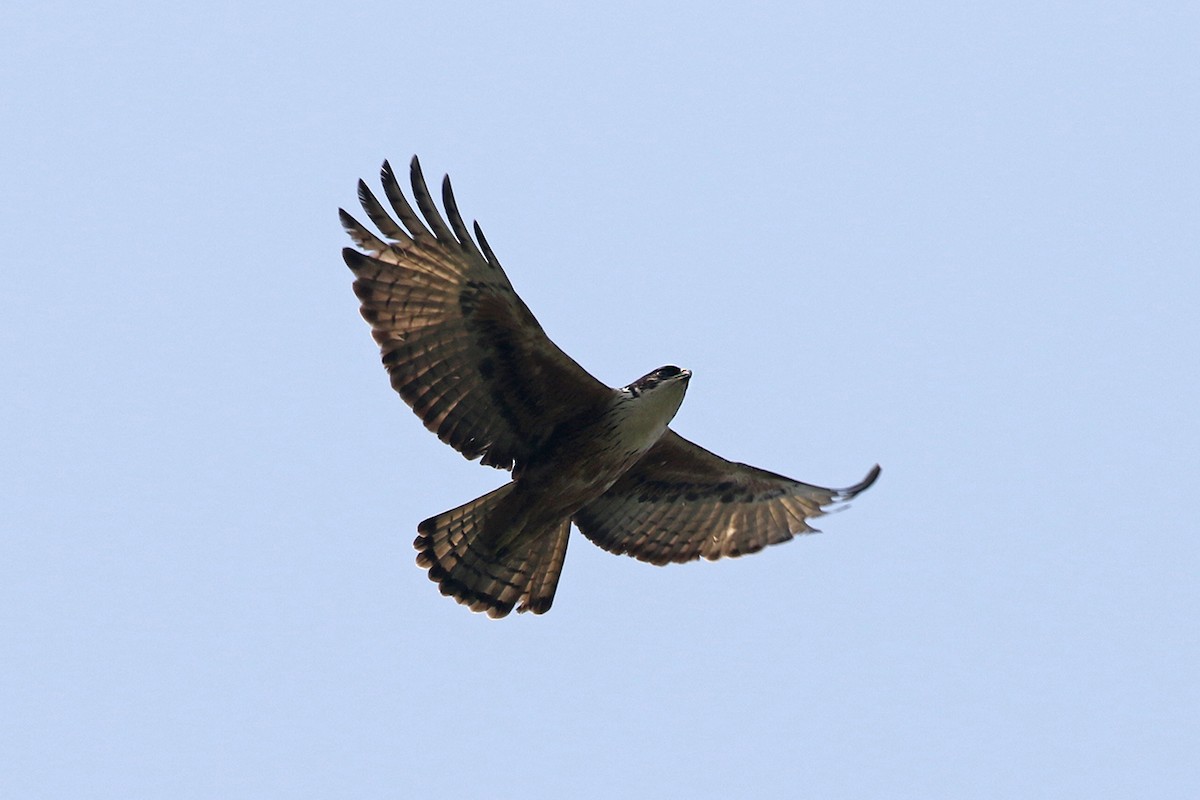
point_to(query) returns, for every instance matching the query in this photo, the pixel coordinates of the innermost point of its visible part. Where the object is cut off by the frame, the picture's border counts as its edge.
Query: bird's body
(570, 470)
(472, 361)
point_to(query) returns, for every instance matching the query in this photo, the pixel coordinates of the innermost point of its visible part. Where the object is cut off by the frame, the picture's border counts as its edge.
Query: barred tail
(468, 567)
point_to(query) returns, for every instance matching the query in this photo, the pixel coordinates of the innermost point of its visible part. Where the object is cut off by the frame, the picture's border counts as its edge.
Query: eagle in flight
(471, 360)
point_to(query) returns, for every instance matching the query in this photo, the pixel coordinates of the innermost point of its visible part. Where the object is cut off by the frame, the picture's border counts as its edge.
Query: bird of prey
(471, 360)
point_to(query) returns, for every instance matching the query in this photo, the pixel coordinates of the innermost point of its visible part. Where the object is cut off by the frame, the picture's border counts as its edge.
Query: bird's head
(668, 380)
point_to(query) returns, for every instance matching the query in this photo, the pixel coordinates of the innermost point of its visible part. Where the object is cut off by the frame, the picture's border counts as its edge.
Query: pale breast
(589, 459)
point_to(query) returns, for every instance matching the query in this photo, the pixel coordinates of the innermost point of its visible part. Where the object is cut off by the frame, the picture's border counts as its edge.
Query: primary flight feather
(471, 360)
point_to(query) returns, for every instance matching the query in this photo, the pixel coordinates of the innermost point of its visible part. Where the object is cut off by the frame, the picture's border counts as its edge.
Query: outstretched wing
(460, 346)
(680, 502)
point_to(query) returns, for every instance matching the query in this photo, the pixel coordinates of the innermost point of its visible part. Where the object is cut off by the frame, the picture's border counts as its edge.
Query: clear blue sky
(960, 240)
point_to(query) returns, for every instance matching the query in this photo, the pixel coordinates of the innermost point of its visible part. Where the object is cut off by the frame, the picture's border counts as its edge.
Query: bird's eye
(668, 372)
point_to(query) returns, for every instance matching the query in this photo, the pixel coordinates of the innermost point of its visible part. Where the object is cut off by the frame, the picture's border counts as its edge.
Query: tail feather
(468, 567)
(546, 569)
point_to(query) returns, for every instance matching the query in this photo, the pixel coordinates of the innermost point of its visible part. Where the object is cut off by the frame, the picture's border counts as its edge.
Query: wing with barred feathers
(461, 347)
(680, 502)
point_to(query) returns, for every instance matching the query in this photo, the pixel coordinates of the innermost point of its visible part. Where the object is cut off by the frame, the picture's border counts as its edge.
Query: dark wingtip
(483, 244)
(352, 257)
(862, 485)
(387, 175)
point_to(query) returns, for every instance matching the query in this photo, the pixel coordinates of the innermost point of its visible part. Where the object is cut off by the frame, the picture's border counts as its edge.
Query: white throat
(644, 418)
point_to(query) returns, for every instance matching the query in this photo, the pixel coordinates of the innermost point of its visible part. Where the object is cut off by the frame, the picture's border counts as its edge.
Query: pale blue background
(957, 239)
